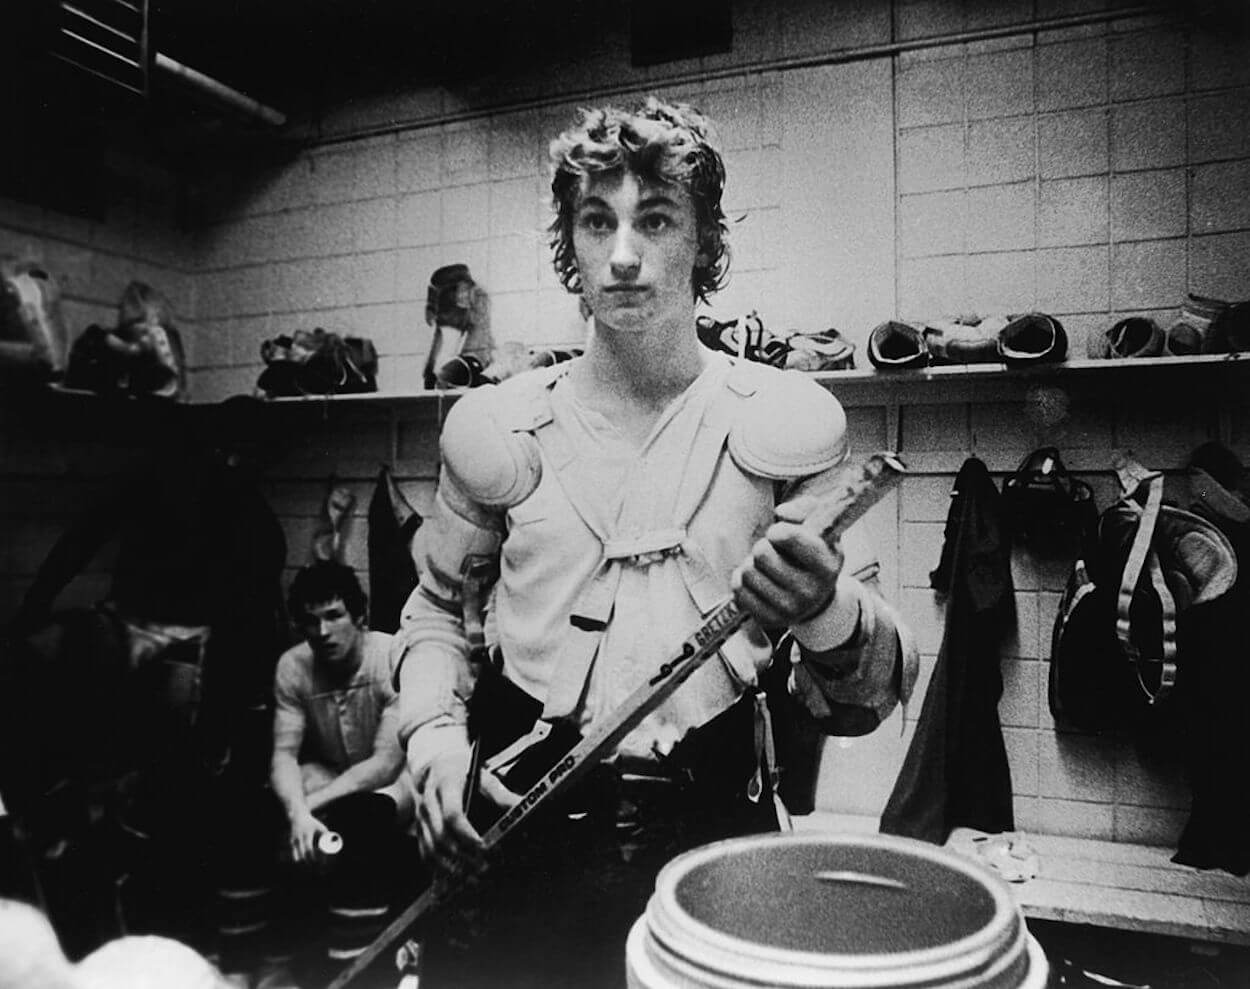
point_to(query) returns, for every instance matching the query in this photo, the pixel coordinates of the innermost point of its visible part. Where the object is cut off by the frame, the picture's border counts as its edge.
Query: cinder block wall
(48, 473)
(1090, 172)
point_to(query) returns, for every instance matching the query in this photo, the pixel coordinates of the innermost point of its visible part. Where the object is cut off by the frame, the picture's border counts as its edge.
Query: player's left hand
(791, 574)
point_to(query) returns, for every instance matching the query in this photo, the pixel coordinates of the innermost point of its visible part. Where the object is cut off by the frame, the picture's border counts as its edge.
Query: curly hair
(322, 582)
(658, 142)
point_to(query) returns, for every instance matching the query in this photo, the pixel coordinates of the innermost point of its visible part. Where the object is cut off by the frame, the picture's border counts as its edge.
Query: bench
(1112, 884)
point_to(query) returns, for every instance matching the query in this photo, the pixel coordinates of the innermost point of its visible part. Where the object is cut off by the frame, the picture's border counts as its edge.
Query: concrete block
(1151, 826)
(810, 27)
(1018, 707)
(515, 145)
(1072, 74)
(513, 264)
(1218, 60)
(922, 549)
(466, 148)
(737, 116)
(757, 240)
(1218, 198)
(1219, 126)
(1003, 282)
(334, 172)
(1001, 150)
(1021, 746)
(1078, 767)
(1073, 211)
(1001, 217)
(419, 219)
(514, 316)
(391, 326)
(1074, 818)
(293, 234)
(929, 286)
(1151, 779)
(752, 181)
(927, 18)
(935, 427)
(996, 13)
(925, 614)
(867, 426)
(1000, 85)
(1148, 205)
(1022, 641)
(374, 176)
(931, 158)
(1148, 274)
(419, 161)
(1148, 135)
(1073, 142)
(1026, 811)
(466, 212)
(926, 498)
(373, 277)
(515, 207)
(772, 125)
(210, 345)
(1218, 264)
(930, 92)
(333, 230)
(1147, 64)
(374, 223)
(1075, 279)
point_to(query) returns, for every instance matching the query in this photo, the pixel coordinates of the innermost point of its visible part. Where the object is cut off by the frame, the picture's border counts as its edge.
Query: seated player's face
(331, 632)
(636, 244)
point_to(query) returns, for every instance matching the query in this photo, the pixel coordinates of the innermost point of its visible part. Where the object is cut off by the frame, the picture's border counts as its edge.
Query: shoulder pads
(486, 449)
(787, 426)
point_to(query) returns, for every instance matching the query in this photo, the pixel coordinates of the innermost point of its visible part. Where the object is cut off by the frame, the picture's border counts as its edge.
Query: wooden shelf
(954, 383)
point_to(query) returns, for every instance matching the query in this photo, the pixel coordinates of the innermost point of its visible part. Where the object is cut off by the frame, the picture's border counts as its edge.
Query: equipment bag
(318, 363)
(1044, 506)
(1114, 654)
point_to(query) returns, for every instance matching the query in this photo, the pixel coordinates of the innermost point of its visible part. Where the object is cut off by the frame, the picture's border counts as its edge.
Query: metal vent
(107, 38)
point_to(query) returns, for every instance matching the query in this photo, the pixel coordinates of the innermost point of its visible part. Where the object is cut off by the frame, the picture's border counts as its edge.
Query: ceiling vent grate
(107, 38)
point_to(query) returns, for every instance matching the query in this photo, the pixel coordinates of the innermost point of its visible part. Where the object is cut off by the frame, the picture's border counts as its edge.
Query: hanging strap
(1141, 556)
(766, 763)
(478, 574)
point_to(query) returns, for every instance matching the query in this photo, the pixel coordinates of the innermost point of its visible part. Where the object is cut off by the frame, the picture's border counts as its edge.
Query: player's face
(331, 631)
(636, 244)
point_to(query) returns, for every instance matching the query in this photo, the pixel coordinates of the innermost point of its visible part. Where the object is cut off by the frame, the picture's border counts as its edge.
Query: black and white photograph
(621, 494)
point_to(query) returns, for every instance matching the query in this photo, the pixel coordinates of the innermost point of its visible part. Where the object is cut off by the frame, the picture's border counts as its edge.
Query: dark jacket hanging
(392, 572)
(955, 773)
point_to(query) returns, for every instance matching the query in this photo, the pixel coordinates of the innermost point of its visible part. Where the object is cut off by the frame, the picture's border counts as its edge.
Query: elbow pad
(878, 672)
(787, 427)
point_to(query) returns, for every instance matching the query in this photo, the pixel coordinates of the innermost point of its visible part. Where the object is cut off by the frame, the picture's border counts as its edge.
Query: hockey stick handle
(858, 490)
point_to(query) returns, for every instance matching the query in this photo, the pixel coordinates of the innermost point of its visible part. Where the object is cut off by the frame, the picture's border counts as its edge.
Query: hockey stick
(858, 491)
